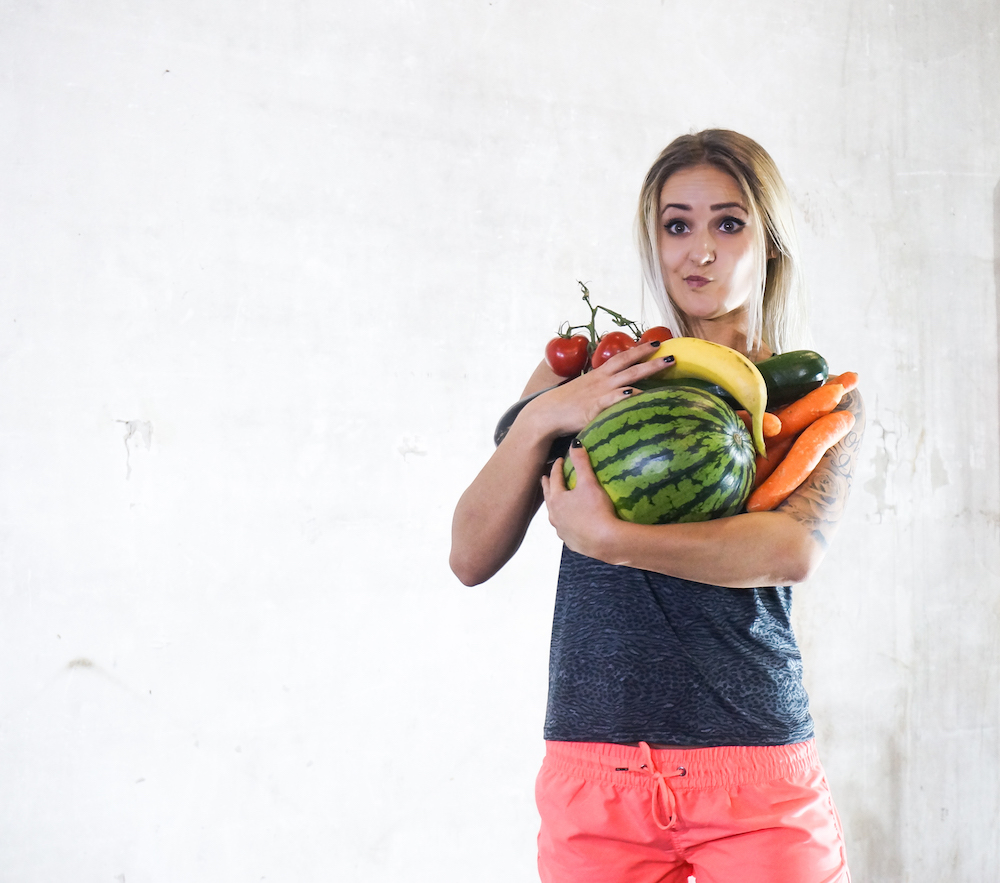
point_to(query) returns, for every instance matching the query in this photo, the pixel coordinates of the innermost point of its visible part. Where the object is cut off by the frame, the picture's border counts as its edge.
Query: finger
(638, 362)
(551, 486)
(631, 356)
(553, 482)
(581, 462)
(615, 396)
(653, 364)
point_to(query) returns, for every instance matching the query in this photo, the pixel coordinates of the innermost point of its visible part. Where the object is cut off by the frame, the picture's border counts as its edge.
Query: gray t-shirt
(638, 656)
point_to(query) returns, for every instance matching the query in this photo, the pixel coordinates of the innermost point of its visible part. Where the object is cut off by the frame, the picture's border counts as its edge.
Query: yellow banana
(731, 370)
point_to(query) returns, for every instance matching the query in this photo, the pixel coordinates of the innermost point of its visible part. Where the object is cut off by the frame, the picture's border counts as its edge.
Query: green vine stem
(567, 330)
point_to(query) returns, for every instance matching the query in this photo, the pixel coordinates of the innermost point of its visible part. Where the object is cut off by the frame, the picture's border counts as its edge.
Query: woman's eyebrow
(715, 208)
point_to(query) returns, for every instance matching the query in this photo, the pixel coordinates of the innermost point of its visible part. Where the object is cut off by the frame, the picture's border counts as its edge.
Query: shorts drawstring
(661, 787)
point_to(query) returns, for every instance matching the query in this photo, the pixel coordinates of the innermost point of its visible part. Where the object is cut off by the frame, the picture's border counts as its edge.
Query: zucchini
(789, 376)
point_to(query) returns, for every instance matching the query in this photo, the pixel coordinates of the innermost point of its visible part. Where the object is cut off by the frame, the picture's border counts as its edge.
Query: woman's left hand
(585, 517)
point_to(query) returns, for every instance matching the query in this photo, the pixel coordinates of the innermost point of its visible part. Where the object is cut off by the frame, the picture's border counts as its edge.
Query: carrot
(772, 425)
(775, 454)
(803, 412)
(848, 380)
(807, 450)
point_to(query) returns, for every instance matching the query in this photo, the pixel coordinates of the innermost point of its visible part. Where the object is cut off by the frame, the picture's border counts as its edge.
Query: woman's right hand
(566, 409)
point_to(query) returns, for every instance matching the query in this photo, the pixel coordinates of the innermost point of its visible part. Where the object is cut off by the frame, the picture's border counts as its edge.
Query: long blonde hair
(777, 315)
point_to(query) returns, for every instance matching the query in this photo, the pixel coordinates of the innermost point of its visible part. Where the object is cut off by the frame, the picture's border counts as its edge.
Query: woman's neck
(729, 330)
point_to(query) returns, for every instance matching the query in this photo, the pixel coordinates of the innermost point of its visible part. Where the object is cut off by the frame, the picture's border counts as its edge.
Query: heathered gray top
(638, 656)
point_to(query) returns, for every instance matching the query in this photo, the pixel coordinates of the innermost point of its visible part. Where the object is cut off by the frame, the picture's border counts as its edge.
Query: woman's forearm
(493, 514)
(739, 551)
(757, 549)
(743, 551)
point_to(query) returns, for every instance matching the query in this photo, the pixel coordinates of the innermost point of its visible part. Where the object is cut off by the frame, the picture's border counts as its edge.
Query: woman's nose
(703, 251)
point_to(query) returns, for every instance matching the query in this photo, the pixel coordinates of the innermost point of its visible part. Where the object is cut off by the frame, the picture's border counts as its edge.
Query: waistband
(717, 767)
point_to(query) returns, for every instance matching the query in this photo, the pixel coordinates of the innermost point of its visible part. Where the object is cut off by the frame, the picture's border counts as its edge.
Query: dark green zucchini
(789, 376)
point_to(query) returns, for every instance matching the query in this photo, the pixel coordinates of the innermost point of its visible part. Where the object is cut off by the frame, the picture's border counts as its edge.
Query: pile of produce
(803, 432)
(683, 450)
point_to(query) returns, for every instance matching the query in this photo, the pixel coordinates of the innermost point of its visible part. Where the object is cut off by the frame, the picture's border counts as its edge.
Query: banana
(734, 372)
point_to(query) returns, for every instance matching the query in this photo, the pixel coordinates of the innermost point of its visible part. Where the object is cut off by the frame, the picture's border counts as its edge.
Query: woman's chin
(709, 308)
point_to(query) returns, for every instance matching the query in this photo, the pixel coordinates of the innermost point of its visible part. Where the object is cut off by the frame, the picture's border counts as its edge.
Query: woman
(678, 736)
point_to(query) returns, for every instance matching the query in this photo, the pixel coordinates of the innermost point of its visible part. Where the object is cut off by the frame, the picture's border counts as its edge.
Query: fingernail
(668, 359)
(654, 343)
(576, 443)
(626, 392)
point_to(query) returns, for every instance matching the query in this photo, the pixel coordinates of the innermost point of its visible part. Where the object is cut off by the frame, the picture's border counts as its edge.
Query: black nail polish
(576, 443)
(668, 359)
(626, 392)
(654, 343)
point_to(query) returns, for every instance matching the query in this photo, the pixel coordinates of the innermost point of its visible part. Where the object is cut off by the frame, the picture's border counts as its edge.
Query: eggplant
(559, 448)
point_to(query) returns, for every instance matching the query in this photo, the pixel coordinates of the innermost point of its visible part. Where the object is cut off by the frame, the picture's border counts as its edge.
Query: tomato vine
(567, 330)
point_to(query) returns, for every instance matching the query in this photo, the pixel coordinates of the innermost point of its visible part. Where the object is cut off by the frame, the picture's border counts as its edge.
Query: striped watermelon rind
(672, 455)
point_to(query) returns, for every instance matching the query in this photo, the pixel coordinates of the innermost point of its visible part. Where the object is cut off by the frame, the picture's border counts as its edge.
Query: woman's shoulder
(543, 377)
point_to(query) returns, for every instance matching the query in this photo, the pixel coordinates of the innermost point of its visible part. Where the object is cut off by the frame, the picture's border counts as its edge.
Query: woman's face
(706, 243)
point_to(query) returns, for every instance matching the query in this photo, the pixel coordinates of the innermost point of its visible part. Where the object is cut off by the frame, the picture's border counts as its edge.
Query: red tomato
(567, 356)
(611, 344)
(657, 332)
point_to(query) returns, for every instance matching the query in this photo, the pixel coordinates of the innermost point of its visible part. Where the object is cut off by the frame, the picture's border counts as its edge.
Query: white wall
(315, 249)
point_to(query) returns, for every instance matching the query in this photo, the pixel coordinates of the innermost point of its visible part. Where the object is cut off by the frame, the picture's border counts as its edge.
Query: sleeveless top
(639, 656)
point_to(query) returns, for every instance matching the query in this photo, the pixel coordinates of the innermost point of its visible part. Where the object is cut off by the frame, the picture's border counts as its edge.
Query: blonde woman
(678, 736)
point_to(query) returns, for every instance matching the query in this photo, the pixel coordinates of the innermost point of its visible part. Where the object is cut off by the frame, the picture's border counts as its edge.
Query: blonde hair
(777, 315)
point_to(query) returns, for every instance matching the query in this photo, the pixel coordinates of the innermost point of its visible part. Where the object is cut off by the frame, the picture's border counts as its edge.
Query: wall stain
(939, 474)
(83, 664)
(885, 459)
(135, 431)
(412, 444)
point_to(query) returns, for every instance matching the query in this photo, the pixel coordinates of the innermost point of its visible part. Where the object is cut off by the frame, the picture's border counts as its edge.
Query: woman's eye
(675, 228)
(732, 225)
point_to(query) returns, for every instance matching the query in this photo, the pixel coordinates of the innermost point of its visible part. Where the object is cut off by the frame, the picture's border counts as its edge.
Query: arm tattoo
(820, 502)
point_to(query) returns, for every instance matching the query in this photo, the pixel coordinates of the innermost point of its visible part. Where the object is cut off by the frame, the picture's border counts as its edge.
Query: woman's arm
(744, 551)
(493, 514)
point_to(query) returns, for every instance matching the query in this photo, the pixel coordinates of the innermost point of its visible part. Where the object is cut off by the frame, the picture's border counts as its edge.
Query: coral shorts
(719, 815)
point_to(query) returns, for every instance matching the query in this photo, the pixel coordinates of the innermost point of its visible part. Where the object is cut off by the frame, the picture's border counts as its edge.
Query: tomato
(611, 344)
(657, 332)
(567, 356)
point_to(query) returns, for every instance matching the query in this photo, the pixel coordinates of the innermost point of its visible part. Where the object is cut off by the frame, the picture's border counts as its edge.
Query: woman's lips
(696, 281)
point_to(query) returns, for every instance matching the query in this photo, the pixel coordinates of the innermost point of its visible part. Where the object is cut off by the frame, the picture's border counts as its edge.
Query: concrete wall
(270, 273)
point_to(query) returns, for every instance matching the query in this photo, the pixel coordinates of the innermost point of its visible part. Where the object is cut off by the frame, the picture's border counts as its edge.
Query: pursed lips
(696, 281)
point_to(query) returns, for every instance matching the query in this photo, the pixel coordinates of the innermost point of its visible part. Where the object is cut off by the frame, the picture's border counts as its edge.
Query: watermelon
(674, 454)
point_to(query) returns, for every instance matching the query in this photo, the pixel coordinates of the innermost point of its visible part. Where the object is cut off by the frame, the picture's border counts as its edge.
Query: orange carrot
(803, 412)
(807, 450)
(776, 452)
(848, 380)
(772, 425)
